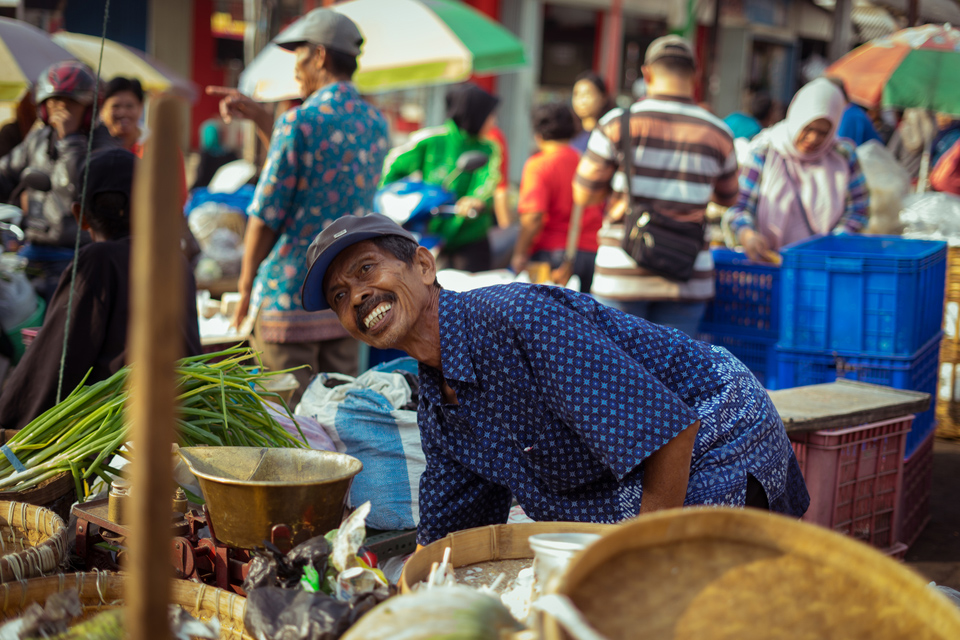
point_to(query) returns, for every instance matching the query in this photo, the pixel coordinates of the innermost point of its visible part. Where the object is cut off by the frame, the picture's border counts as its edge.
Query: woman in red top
(546, 198)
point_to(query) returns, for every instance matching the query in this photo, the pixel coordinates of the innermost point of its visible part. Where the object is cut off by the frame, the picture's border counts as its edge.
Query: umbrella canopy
(121, 60)
(407, 43)
(25, 52)
(918, 67)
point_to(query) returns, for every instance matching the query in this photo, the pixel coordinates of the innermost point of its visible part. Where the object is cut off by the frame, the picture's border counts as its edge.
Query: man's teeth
(376, 314)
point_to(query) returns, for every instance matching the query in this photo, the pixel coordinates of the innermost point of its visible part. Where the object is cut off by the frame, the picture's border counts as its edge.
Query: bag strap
(626, 150)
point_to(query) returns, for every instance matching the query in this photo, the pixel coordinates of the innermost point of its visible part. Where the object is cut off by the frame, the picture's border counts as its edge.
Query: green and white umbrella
(407, 43)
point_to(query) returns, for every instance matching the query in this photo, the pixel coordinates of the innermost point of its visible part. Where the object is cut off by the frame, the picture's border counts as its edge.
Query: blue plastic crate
(874, 295)
(917, 373)
(759, 354)
(747, 298)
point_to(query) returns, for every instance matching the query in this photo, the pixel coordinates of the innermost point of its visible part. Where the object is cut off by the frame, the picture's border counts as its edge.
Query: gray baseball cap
(344, 232)
(671, 46)
(324, 27)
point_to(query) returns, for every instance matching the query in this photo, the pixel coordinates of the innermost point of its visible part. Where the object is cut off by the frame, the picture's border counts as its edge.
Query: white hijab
(800, 193)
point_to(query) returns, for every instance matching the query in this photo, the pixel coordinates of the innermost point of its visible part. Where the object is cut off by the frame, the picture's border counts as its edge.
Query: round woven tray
(33, 541)
(102, 590)
(746, 574)
(484, 544)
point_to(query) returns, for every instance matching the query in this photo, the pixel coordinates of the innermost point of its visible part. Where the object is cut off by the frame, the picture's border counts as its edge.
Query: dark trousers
(471, 257)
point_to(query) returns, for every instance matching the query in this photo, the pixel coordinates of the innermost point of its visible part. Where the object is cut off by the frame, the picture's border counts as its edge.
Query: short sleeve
(534, 192)
(273, 200)
(621, 410)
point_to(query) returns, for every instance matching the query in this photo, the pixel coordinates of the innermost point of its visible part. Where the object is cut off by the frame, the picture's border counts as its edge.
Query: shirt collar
(455, 357)
(339, 87)
(670, 98)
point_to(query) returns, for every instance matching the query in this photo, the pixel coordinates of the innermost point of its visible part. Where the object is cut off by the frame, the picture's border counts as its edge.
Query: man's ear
(647, 73)
(75, 208)
(426, 265)
(321, 56)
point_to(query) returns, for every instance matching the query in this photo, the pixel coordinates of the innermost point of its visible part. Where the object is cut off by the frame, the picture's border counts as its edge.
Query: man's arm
(534, 201)
(592, 181)
(234, 104)
(666, 472)
(258, 240)
(272, 204)
(726, 188)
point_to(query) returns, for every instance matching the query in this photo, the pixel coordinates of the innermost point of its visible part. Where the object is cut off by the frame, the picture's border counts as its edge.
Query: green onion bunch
(218, 406)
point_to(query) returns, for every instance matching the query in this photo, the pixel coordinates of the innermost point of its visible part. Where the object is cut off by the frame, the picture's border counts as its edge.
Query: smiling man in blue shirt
(581, 412)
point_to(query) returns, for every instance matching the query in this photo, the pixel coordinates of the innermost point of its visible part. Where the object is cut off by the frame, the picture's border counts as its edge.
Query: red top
(547, 187)
(497, 136)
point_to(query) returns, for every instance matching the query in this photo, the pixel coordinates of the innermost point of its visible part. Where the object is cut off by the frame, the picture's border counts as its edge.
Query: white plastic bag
(932, 216)
(888, 182)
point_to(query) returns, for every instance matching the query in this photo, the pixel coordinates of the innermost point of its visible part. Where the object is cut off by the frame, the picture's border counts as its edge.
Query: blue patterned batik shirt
(324, 162)
(561, 399)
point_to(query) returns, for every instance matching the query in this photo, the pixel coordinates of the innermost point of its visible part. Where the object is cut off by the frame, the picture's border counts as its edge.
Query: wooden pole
(154, 345)
(913, 13)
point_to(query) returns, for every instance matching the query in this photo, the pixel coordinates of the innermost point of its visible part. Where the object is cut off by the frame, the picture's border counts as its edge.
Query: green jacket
(433, 152)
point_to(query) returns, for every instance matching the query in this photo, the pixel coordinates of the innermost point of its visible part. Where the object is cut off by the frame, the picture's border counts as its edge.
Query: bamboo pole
(154, 345)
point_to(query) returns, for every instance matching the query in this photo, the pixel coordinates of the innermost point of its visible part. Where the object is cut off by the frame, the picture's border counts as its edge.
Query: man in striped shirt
(683, 158)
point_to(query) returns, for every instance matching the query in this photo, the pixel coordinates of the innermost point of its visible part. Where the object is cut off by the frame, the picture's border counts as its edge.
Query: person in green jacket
(433, 152)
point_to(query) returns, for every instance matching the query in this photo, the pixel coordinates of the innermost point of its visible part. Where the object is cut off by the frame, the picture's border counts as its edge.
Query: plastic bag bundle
(18, 300)
(888, 182)
(932, 216)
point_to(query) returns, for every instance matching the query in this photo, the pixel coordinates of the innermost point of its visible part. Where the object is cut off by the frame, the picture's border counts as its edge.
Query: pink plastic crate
(855, 477)
(915, 498)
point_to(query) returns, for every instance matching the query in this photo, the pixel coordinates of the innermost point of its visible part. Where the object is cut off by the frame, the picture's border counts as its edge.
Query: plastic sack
(888, 183)
(273, 613)
(365, 419)
(932, 216)
(18, 300)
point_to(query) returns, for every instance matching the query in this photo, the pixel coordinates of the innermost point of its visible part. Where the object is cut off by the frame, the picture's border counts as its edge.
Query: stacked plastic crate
(744, 316)
(864, 308)
(870, 309)
(854, 307)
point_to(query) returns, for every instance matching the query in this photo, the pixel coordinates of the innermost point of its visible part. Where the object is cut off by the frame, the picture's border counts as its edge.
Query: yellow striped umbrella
(121, 60)
(25, 52)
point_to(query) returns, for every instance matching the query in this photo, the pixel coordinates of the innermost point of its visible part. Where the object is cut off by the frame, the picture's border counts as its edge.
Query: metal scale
(253, 495)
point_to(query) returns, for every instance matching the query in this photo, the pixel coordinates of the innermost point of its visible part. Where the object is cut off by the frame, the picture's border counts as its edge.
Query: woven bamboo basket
(102, 590)
(57, 494)
(951, 298)
(483, 544)
(746, 574)
(33, 541)
(948, 395)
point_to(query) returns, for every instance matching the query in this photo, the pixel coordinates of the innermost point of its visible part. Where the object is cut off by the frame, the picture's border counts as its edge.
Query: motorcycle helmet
(68, 79)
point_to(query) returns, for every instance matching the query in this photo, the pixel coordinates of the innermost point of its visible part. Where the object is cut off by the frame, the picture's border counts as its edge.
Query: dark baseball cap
(109, 170)
(323, 27)
(671, 46)
(344, 232)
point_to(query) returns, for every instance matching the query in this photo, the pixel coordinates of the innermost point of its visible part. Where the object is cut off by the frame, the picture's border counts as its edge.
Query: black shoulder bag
(657, 242)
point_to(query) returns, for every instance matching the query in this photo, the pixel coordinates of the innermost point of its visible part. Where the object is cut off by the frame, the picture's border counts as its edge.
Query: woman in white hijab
(800, 179)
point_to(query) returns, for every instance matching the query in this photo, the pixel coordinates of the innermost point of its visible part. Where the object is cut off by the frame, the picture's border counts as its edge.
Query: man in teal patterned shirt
(324, 162)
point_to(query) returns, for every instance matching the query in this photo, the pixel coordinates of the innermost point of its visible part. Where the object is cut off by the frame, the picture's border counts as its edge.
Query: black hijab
(469, 106)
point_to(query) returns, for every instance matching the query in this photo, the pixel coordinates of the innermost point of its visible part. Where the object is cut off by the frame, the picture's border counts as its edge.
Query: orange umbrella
(917, 67)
